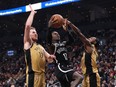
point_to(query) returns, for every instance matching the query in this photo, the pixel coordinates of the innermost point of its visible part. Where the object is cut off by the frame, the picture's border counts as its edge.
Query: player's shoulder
(27, 45)
(40, 46)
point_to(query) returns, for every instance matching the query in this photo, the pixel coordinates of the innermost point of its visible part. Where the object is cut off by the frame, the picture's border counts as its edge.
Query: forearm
(28, 26)
(48, 56)
(30, 19)
(78, 32)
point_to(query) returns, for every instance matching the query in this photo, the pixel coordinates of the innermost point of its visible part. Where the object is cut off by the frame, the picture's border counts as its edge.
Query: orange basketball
(56, 21)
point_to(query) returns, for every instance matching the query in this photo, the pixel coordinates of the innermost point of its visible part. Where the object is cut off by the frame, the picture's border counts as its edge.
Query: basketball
(56, 21)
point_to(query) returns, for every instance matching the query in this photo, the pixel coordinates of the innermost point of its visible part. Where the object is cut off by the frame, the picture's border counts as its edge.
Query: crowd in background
(12, 68)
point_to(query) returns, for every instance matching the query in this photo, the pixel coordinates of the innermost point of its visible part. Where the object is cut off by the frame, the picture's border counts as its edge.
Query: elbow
(27, 28)
(86, 41)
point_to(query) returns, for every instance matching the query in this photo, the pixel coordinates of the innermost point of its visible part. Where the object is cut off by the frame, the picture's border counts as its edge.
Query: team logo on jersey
(39, 51)
(61, 50)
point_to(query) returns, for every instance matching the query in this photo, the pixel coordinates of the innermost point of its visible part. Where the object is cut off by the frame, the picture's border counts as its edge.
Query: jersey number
(65, 56)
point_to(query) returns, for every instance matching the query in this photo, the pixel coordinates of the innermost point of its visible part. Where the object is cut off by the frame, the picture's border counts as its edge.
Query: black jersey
(61, 53)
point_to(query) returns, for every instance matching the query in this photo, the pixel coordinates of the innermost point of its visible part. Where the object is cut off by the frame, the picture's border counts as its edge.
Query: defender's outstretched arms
(27, 40)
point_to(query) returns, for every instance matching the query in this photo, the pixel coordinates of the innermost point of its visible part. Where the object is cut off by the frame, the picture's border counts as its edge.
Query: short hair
(49, 35)
(32, 28)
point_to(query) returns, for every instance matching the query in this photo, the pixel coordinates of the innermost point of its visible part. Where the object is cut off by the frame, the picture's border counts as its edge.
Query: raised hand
(32, 10)
(65, 24)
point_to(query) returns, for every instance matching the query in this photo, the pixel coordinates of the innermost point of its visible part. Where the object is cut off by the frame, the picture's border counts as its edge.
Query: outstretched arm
(27, 40)
(78, 32)
(85, 40)
(50, 58)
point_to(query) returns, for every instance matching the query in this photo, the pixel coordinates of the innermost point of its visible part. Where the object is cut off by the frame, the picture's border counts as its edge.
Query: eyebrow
(55, 32)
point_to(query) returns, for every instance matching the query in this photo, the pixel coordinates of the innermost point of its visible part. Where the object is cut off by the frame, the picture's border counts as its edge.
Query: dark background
(86, 14)
(92, 17)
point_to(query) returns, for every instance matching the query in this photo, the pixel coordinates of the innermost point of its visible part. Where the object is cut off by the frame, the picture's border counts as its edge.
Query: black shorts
(64, 75)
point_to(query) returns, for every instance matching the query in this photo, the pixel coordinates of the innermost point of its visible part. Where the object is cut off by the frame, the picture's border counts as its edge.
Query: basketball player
(89, 59)
(35, 55)
(89, 64)
(66, 75)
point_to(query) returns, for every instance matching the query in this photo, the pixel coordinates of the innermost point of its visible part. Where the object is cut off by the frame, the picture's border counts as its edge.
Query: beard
(35, 39)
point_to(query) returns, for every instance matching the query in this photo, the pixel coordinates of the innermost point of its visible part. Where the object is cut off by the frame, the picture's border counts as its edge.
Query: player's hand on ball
(56, 21)
(66, 23)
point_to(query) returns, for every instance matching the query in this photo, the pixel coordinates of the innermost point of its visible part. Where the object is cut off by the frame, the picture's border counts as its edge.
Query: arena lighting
(35, 6)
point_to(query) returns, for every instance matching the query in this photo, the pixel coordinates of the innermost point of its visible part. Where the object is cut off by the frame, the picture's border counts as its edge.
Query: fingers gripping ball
(56, 21)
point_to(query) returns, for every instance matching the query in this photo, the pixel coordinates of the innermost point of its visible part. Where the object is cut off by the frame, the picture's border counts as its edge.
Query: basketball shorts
(64, 75)
(91, 80)
(35, 80)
